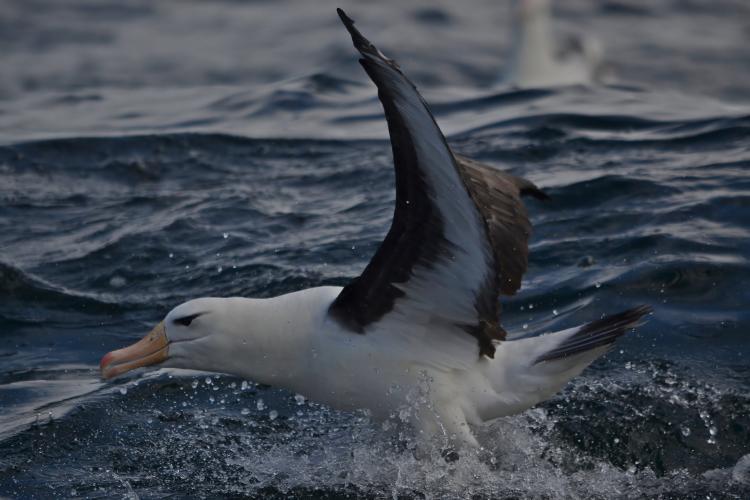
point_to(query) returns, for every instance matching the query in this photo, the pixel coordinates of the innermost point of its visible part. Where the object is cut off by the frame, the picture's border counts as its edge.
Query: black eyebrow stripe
(186, 320)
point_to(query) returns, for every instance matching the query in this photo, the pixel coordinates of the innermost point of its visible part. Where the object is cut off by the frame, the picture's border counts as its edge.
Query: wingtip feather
(361, 43)
(348, 21)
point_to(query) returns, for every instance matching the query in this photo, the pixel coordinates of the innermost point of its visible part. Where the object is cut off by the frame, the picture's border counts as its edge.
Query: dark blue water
(153, 153)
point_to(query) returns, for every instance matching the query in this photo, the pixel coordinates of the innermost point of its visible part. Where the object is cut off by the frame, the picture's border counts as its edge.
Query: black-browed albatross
(423, 314)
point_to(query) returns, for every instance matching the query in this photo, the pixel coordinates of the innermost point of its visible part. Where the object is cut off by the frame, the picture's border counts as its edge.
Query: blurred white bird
(540, 59)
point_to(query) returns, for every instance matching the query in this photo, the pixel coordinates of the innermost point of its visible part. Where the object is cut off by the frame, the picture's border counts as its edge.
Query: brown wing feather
(497, 196)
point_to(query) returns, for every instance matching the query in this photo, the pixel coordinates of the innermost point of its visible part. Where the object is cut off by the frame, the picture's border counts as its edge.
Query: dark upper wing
(497, 196)
(459, 232)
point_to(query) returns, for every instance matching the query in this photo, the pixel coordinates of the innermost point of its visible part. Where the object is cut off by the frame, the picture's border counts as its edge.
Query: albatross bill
(150, 350)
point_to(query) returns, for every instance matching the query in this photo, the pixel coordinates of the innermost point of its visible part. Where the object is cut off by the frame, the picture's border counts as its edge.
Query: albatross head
(190, 336)
(265, 340)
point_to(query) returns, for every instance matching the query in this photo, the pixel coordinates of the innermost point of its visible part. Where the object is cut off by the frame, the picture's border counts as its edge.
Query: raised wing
(459, 232)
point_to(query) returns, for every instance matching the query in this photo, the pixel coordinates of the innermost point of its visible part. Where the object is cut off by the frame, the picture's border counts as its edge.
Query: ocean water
(155, 152)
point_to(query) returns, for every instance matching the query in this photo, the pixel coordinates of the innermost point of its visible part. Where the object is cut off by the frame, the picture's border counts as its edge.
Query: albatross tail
(528, 371)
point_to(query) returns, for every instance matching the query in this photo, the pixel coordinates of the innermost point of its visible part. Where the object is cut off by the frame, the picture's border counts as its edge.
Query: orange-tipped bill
(150, 350)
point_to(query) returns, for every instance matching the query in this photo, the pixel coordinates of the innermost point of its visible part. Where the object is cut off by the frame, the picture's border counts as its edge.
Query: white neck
(532, 41)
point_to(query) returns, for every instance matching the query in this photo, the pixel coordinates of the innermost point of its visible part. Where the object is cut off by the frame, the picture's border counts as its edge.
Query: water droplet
(117, 282)
(123, 390)
(211, 399)
(685, 430)
(554, 311)
(531, 306)
(225, 235)
(586, 261)
(525, 326)
(208, 381)
(244, 385)
(617, 440)
(233, 385)
(273, 414)
(713, 431)
(404, 414)
(299, 399)
(628, 365)
(245, 411)
(171, 255)
(598, 285)
(260, 405)
(219, 269)
(194, 384)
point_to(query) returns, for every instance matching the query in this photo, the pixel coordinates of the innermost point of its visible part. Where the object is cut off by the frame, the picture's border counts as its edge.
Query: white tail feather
(528, 371)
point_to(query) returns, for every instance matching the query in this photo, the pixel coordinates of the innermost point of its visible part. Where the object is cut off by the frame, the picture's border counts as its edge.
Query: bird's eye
(186, 320)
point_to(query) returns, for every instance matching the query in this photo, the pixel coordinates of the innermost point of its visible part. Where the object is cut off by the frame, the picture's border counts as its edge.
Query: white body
(291, 342)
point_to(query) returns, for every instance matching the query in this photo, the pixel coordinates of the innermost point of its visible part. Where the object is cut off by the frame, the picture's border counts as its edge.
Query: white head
(189, 337)
(261, 339)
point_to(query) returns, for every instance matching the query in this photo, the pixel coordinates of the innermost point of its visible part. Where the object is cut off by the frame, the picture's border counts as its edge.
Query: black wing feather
(597, 334)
